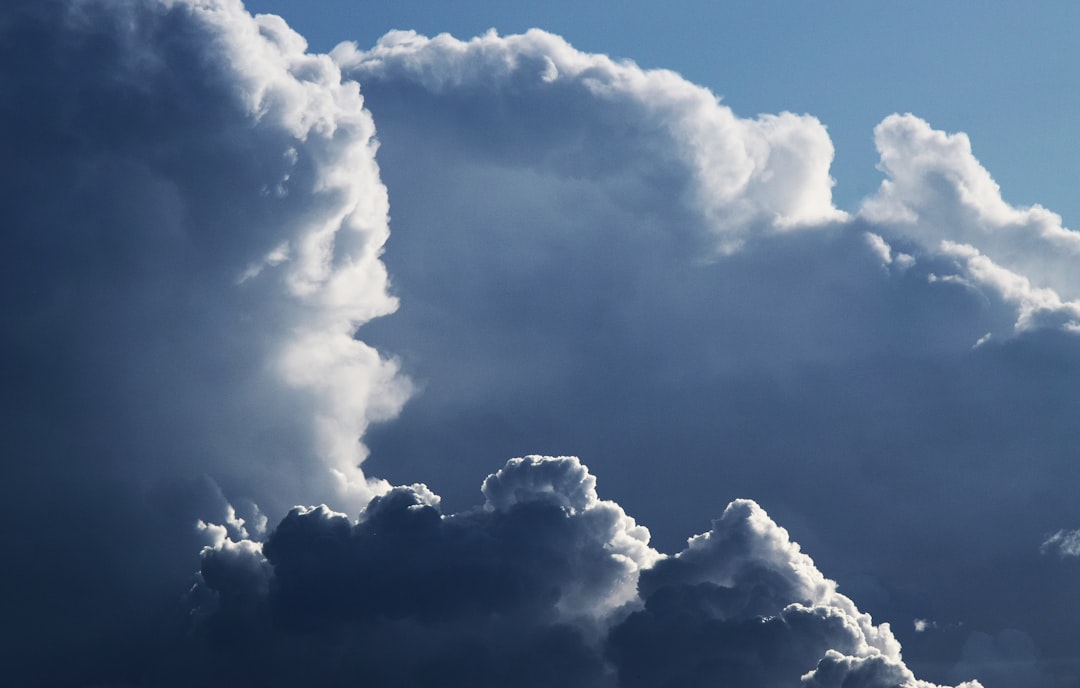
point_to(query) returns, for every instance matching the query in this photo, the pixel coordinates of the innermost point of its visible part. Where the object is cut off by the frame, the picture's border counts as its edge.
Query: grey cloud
(193, 219)
(403, 559)
(571, 300)
(743, 605)
(405, 595)
(423, 591)
(590, 258)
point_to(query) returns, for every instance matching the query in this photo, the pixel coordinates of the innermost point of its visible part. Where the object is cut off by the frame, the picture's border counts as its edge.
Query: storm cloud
(202, 329)
(544, 583)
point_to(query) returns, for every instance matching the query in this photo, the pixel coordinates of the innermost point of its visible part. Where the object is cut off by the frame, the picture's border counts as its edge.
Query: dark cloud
(534, 587)
(511, 592)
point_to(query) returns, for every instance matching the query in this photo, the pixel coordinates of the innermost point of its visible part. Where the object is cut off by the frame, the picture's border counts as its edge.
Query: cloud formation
(938, 195)
(590, 258)
(543, 583)
(193, 223)
(221, 229)
(1064, 542)
(592, 287)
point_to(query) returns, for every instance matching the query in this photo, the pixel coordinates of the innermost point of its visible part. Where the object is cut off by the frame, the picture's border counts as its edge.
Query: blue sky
(501, 360)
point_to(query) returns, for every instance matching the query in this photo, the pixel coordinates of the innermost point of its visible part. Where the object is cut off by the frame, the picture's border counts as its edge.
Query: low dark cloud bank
(543, 584)
(590, 259)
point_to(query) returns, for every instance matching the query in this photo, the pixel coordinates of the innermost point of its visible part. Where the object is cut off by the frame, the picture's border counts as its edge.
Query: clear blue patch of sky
(1005, 73)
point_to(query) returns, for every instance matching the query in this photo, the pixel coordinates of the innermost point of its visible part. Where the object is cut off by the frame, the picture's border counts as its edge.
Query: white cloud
(938, 195)
(744, 174)
(880, 247)
(187, 266)
(1035, 306)
(921, 625)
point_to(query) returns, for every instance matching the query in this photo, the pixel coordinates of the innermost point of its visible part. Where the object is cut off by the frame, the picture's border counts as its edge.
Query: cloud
(590, 258)
(543, 561)
(193, 226)
(881, 248)
(226, 211)
(1035, 306)
(938, 195)
(768, 172)
(575, 278)
(1064, 542)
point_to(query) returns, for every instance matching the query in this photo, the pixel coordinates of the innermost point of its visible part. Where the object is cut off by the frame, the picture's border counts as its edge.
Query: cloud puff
(513, 591)
(743, 605)
(939, 195)
(544, 561)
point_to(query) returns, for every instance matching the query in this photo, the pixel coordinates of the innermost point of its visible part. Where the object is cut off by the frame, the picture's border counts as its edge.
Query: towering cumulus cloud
(591, 259)
(193, 220)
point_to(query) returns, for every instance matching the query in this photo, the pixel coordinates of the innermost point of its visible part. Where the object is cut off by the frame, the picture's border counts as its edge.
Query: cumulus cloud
(515, 590)
(590, 258)
(938, 195)
(193, 226)
(768, 172)
(596, 285)
(543, 560)
(226, 212)
(742, 604)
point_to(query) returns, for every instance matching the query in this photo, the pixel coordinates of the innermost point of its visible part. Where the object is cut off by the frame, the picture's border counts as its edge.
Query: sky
(366, 345)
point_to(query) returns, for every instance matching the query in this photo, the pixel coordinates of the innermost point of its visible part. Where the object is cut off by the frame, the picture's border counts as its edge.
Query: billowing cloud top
(939, 195)
(772, 171)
